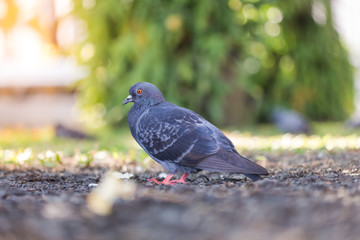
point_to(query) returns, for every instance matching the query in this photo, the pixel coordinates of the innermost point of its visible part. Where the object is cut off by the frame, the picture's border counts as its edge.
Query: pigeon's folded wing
(176, 135)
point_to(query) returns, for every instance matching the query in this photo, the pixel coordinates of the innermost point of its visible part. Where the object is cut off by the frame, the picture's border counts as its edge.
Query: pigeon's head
(144, 93)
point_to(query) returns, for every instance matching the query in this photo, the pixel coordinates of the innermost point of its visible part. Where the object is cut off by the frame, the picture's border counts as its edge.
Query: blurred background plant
(70, 63)
(231, 61)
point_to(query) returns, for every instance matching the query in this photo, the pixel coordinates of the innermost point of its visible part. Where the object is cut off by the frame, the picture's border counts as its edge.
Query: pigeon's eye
(139, 91)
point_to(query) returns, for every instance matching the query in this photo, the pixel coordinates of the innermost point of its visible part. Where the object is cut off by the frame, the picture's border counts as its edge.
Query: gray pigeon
(289, 121)
(180, 139)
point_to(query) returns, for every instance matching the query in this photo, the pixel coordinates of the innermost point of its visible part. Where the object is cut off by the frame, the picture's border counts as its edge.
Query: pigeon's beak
(128, 99)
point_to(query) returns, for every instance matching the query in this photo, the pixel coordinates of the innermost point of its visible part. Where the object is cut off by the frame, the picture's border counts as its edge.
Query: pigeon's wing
(180, 136)
(176, 134)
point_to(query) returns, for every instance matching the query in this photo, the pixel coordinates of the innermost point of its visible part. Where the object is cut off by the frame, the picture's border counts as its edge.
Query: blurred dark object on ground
(289, 121)
(353, 121)
(65, 132)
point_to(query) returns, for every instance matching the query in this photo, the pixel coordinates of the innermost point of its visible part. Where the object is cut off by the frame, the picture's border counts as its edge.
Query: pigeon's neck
(146, 103)
(139, 108)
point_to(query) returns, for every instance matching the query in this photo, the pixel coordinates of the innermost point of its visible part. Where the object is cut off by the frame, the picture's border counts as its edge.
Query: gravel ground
(306, 196)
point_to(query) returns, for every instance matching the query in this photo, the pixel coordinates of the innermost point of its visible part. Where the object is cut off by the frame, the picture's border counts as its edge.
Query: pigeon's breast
(156, 135)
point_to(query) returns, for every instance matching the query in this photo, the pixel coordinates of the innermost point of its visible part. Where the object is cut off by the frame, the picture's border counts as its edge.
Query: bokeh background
(280, 78)
(71, 62)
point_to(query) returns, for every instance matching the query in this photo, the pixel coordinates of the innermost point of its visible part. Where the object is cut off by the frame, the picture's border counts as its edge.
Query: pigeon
(353, 121)
(180, 139)
(289, 121)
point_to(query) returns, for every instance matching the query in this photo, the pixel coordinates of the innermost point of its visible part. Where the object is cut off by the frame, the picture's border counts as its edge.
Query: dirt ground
(306, 196)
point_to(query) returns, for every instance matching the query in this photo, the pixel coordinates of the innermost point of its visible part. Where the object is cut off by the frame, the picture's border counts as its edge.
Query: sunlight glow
(63, 7)
(274, 15)
(25, 44)
(272, 29)
(2, 43)
(3, 9)
(318, 13)
(244, 141)
(26, 155)
(35, 29)
(88, 4)
(235, 5)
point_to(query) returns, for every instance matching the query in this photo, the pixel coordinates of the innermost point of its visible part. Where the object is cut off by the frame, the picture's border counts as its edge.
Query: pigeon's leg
(165, 181)
(153, 180)
(181, 180)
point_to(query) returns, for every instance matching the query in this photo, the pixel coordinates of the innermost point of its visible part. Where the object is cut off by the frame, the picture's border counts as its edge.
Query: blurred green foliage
(230, 61)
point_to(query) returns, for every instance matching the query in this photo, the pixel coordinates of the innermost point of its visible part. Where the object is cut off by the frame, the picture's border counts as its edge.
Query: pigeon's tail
(254, 177)
(225, 161)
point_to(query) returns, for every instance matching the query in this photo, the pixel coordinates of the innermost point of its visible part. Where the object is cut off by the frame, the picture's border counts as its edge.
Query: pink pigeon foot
(168, 181)
(181, 180)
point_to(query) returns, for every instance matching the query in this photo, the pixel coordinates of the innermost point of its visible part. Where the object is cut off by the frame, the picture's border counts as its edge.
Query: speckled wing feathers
(176, 134)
